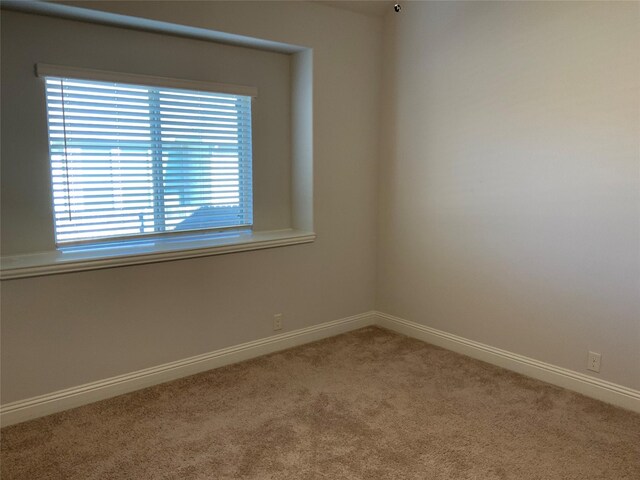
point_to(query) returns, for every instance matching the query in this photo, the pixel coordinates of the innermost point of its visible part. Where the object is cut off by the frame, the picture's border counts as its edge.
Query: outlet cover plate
(593, 362)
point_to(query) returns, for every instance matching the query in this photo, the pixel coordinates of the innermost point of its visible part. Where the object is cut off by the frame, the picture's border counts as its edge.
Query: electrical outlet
(277, 321)
(593, 363)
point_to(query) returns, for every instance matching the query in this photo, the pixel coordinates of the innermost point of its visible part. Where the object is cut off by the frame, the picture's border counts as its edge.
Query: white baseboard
(34, 407)
(42, 405)
(592, 387)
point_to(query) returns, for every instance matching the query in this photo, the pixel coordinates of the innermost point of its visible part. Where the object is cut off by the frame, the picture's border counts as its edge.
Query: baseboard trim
(592, 387)
(47, 404)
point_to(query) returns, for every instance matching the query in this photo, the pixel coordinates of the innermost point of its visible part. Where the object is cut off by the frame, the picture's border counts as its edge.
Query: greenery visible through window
(130, 160)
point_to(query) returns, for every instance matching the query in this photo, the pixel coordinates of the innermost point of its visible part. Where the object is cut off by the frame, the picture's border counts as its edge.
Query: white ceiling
(368, 7)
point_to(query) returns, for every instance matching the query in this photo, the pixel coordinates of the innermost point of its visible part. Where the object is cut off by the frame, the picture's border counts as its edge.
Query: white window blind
(134, 160)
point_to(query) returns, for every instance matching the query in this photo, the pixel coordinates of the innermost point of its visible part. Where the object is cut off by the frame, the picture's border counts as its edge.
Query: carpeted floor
(369, 404)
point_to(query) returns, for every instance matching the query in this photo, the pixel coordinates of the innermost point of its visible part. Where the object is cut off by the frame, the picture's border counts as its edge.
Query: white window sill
(151, 251)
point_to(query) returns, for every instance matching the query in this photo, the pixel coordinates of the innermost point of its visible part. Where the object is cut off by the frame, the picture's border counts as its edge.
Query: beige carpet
(369, 404)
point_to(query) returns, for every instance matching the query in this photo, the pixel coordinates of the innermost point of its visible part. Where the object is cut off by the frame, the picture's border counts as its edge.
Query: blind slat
(143, 160)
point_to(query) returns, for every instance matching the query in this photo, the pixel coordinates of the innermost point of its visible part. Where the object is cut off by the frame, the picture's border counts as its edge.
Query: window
(130, 159)
(125, 193)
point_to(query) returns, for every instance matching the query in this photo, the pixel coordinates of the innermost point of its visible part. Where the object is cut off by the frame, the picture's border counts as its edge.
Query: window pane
(133, 160)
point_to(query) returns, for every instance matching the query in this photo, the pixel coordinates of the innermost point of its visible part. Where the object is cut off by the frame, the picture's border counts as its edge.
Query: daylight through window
(130, 160)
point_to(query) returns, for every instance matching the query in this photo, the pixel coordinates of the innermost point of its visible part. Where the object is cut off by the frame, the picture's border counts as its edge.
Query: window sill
(151, 251)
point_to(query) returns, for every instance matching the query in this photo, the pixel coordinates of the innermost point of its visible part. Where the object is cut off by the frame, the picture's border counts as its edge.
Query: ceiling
(368, 7)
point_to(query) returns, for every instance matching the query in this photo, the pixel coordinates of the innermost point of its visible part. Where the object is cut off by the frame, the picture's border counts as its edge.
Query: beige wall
(510, 179)
(65, 330)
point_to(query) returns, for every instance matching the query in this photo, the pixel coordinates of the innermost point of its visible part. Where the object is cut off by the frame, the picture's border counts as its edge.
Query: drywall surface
(510, 177)
(64, 330)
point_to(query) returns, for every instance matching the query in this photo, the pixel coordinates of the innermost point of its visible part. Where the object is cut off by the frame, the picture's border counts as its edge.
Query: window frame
(50, 72)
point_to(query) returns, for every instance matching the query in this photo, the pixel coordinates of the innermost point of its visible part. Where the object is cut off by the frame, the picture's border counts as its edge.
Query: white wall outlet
(593, 363)
(277, 321)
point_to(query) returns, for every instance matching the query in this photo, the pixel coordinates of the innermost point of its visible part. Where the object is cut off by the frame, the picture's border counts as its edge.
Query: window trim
(154, 250)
